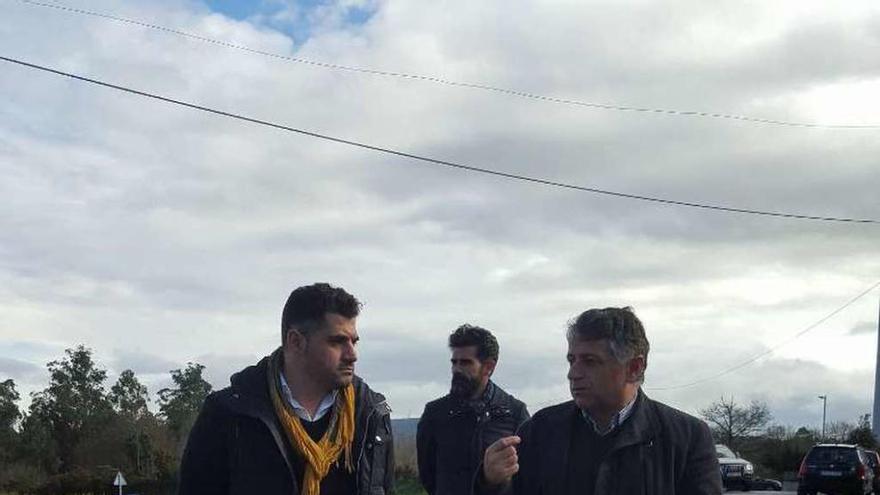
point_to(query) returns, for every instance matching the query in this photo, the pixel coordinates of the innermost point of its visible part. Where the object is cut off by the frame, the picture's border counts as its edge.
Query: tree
(128, 396)
(779, 450)
(731, 421)
(9, 416)
(862, 434)
(838, 431)
(180, 405)
(75, 430)
(779, 433)
(804, 432)
(154, 449)
(74, 405)
(9, 413)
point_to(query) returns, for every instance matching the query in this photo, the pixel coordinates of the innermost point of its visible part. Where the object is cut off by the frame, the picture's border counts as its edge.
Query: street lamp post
(824, 404)
(875, 429)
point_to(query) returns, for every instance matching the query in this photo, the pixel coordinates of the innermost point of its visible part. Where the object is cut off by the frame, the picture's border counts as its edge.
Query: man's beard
(463, 386)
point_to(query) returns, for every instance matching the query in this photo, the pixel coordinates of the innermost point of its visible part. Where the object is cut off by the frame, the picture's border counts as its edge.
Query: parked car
(736, 472)
(874, 464)
(835, 468)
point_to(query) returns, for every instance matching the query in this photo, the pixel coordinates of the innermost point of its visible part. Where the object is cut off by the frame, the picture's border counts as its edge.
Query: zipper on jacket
(364, 445)
(276, 435)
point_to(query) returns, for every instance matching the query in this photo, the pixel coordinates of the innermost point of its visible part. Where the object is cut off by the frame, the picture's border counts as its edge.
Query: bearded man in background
(455, 430)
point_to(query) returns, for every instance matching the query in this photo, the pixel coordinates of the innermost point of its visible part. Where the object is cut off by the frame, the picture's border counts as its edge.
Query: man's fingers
(501, 462)
(510, 470)
(501, 458)
(501, 466)
(503, 443)
(505, 456)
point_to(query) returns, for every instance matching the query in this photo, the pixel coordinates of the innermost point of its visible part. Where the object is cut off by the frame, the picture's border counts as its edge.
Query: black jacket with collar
(237, 445)
(658, 451)
(453, 434)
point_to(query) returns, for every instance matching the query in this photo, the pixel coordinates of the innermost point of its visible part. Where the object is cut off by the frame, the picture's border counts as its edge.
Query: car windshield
(724, 452)
(833, 455)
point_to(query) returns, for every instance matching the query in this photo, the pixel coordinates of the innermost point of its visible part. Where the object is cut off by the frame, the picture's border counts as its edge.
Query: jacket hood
(250, 386)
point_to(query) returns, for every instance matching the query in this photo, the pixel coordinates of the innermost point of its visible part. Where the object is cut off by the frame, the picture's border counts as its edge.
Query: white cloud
(159, 235)
(864, 328)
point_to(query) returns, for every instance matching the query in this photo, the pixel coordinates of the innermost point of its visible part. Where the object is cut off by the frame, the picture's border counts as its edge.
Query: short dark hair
(307, 306)
(620, 326)
(470, 335)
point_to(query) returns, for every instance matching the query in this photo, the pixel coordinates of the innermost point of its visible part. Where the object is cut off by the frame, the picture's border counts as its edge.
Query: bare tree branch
(731, 421)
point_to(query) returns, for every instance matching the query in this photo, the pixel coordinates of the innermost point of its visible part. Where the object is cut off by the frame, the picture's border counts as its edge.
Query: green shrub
(407, 484)
(21, 478)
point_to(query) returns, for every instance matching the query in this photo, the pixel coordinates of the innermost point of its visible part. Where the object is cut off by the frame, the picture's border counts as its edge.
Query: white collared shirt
(616, 421)
(326, 403)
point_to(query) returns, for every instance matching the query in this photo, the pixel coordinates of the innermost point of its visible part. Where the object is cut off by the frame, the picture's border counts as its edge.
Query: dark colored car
(835, 468)
(874, 464)
(736, 472)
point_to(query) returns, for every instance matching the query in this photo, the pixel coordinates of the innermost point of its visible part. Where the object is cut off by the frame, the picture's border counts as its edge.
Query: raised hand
(500, 461)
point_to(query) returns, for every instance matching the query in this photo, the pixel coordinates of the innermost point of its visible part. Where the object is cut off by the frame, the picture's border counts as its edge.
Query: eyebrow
(584, 354)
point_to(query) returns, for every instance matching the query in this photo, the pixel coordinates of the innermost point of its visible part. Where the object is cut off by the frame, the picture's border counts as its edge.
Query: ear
(489, 367)
(294, 340)
(634, 368)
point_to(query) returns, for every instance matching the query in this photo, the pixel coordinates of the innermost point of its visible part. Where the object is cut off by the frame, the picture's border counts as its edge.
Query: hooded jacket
(237, 446)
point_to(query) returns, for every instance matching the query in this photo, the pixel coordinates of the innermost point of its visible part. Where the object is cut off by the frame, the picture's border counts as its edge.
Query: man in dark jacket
(611, 439)
(298, 422)
(455, 430)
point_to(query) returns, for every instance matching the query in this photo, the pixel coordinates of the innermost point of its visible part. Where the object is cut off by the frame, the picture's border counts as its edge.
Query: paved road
(789, 488)
(753, 492)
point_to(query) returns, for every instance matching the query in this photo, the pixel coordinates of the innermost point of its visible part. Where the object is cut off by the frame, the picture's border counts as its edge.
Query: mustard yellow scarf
(338, 438)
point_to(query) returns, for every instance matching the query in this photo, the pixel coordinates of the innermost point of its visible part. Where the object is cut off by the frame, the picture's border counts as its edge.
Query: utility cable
(449, 82)
(749, 361)
(758, 356)
(445, 163)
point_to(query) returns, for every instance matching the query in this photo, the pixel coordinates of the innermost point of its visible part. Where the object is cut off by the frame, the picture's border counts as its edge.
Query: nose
(574, 373)
(350, 354)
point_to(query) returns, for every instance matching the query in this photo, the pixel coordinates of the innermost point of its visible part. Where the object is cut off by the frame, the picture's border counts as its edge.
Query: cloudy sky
(158, 235)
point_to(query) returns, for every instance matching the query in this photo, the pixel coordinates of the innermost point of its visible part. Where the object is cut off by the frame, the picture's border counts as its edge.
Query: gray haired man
(611, 438)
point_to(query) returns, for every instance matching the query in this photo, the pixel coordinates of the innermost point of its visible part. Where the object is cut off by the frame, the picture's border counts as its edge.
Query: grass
(408, 486)
(407, 482)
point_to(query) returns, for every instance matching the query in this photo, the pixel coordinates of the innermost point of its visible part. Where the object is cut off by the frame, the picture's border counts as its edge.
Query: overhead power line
(449, 82)
(751, 360)
(771, 350)
(445, 163)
